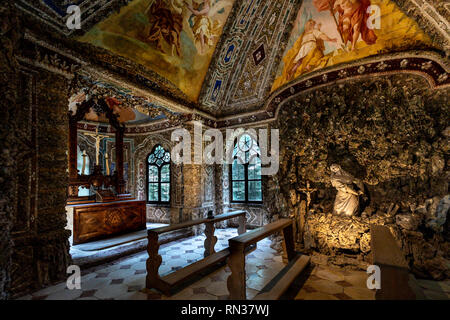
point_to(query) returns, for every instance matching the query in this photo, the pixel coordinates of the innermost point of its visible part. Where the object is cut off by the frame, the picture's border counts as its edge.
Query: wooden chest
(101, 220)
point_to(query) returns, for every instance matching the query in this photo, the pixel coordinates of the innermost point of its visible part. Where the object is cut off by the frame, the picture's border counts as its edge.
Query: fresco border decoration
(53, 12)
(430, 17)
(430, 65)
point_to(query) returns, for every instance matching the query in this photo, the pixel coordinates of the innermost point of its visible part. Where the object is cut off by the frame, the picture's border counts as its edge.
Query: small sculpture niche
(349, 190)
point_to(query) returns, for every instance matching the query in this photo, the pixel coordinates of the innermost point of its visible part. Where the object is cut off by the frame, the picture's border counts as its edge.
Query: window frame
(148, 165)
(246, 179)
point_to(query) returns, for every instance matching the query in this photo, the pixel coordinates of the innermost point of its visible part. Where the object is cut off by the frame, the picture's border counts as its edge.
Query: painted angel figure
(205, 28)
(165, 24)
(308, 50)
(352, 19)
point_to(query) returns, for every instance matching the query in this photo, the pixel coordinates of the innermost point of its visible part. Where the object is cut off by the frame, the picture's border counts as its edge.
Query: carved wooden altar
(107, 187)
(111, 211)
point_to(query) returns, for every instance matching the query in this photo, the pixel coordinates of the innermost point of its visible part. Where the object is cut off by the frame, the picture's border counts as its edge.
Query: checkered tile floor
(327, 283)
(125, 278)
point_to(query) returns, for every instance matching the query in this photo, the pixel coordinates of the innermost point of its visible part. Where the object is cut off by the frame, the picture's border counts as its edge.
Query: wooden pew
(393, 266)
(236, 281)
(167, 283)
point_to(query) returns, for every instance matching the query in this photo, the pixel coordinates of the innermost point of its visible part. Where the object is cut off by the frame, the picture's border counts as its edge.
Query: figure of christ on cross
(302, 210)
(98, 138)
(308, 191)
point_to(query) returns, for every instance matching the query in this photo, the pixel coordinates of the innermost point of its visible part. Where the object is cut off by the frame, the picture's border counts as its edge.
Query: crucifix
(308, 191)
(304, 208)
(98, 139)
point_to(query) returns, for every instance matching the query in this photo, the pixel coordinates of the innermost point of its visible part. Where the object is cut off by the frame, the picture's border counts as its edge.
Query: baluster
(236, 280)
(288, 242)
(210, 240)
(242, 221)
(154, 261)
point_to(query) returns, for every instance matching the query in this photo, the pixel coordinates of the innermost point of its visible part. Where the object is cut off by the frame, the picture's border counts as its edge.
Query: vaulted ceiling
(229, 57)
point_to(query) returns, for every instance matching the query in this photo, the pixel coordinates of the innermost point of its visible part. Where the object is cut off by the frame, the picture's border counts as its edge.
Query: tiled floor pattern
(327, 283)
(125, 278)
(435, 290)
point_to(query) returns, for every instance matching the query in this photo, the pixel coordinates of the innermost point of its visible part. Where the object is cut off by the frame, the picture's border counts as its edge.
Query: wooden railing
(236, 281)
(393, 266)
(167, 283)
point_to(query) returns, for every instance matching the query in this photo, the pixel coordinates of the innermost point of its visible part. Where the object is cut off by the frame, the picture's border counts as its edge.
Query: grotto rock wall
(41, 247)
(9, 38)
(34, 247)
(392, 133)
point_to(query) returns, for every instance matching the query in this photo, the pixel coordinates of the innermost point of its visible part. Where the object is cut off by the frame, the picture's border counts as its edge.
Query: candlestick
(97, 149)
(84, 162)
(107, 164)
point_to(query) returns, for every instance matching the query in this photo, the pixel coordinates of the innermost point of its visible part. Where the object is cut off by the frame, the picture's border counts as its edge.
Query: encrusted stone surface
(10, 32)
(41, 247)
(391, 133)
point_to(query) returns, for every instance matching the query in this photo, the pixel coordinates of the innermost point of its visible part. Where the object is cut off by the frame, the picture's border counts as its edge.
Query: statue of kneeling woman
(347, 197)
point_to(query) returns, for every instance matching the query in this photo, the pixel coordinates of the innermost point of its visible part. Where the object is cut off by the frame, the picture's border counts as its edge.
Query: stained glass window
(246, 181)
(158, 176)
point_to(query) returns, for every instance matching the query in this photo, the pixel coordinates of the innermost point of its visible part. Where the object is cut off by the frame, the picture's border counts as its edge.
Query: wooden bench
(167, 283)
(236, 281)
(393, 266)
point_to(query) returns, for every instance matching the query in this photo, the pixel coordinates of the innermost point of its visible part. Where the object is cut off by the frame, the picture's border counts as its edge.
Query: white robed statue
(347, 198)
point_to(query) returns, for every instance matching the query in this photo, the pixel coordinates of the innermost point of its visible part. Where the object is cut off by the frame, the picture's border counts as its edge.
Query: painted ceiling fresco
(329, 32)
(241, 75)
(173, 38)
(182, 53)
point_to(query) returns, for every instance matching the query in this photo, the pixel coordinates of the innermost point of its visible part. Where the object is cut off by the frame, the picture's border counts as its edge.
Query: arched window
(158, 176)
(246, 184)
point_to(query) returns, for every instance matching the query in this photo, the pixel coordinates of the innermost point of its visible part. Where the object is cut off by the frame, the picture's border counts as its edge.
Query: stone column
(10, 33)
(193, 188)
(119, 161)
(72, 145)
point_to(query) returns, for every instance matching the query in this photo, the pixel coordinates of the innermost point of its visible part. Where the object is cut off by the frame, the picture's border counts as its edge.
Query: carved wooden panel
(100, 220)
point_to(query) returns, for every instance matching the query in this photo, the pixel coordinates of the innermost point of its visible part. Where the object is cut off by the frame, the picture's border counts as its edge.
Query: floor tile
(111, 292)
(359, 293)
(218, 288)
(326, 286)
(329, 274)
(314, 296)
(65, 294)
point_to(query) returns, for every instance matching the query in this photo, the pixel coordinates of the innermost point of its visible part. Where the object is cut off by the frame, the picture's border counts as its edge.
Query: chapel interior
(225, 149)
